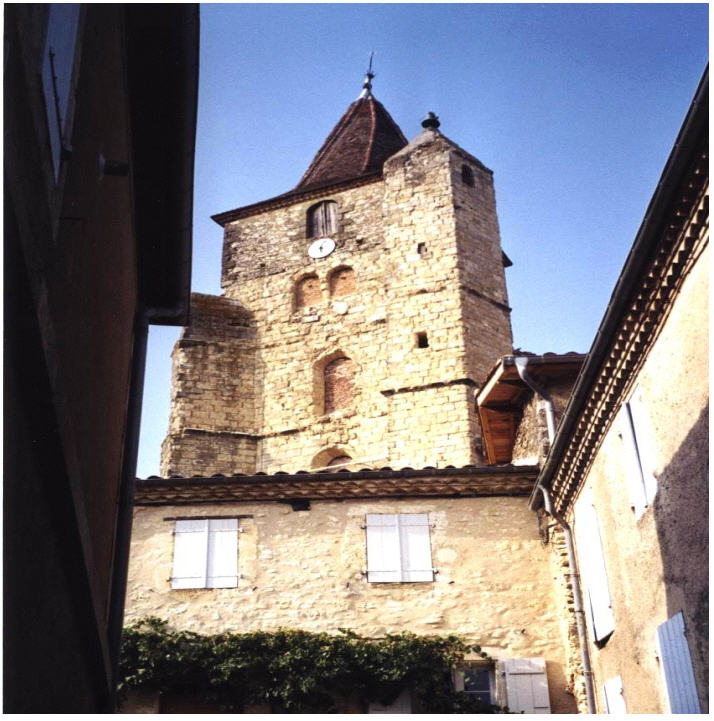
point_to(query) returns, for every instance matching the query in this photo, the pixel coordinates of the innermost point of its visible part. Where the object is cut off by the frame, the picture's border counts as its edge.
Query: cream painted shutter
(643, 434)
(383, 553)
(415, 547)
(614, 699)
(633, 470)
(222, 556)
(677, 666)
(592, 566)
(526, 685)
(190, 549)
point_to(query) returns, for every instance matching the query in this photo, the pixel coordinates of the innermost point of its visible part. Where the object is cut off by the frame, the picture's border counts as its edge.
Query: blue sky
(574, 107)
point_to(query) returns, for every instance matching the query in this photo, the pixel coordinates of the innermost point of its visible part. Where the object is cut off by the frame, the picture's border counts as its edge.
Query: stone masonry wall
(306, 569)
(392, 298)
(214, 392)
(531, 443)
(485, 313)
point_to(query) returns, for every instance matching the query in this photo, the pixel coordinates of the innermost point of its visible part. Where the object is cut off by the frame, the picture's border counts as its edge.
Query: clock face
(321, 248)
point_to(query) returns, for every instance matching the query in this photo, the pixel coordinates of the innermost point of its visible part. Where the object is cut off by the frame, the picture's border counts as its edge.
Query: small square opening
(421, 248)
(422, 341)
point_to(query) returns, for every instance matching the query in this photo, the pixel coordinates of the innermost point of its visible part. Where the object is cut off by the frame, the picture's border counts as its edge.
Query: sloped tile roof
(362, 140)
(468, 481)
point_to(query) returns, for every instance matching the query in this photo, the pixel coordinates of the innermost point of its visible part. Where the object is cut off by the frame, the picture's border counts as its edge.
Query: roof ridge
(372, 134)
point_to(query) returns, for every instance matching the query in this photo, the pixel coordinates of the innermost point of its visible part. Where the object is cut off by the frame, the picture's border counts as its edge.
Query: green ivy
(294, 671)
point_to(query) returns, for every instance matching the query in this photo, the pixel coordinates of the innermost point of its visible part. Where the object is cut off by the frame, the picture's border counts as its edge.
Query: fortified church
(354, 444)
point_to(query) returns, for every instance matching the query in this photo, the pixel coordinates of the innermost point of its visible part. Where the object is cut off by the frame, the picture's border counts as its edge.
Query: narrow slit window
(422, 340)
(467, 176)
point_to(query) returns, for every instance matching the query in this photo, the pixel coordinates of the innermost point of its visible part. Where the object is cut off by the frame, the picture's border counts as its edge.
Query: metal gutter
(647, 237)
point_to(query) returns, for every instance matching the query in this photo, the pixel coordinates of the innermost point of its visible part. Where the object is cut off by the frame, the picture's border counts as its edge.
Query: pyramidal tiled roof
(362, 140)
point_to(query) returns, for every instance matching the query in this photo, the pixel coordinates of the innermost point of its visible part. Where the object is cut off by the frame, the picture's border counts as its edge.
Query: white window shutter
(614, 698)
(190, 549)
(592, 566)
(643, 434)
(383, 556)
(401, 704)
(222, 557)
(633, 470)
(677, 666)
(526, 685)
(415, 547)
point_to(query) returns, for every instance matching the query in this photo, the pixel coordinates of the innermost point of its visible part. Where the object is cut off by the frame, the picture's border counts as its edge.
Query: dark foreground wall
(76, 315)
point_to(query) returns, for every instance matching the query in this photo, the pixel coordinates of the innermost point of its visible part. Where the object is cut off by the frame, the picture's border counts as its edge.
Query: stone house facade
(342, 451)
(626, 472)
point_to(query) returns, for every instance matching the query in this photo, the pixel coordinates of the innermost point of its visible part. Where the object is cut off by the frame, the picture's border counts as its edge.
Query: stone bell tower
(360, 313)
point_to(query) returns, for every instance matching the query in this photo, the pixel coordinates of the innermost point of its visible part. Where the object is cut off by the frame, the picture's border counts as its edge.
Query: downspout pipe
(577, 599)
(521, 362)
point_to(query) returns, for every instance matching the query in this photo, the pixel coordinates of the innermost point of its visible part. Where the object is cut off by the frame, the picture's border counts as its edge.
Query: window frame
(387, 542)
(459, 679)
(211, 546)
(321, 222)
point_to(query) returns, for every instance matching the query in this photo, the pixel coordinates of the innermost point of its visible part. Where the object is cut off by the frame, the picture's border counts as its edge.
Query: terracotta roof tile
(469, 481)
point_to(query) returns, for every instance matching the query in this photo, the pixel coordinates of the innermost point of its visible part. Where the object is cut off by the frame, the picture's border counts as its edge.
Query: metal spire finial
(367, 84)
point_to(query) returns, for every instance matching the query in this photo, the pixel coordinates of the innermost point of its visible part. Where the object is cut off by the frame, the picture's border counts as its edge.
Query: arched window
(339, 460)
(338, 379)
(322, 219)
(307, 291)
(467, 176)
(333, 456)
(342, 282)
